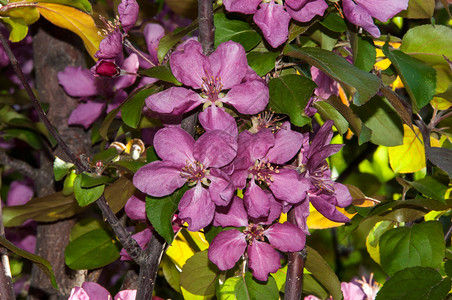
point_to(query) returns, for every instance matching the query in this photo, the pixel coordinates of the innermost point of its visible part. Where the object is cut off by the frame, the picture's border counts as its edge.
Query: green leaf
(42, 263)
(168, 41)
(328, 112)
(160, 213)
(84, 226)
(442, 158)
(86, 196)
(322, 272)
(89, 180)
(262, 62)
(30, 137)
(365, 54)
(132, 110)
(199, 275)
(83, 5)
(419, 245)
(247, 287)
(61, 168)
(364, 85)
(68, 184)
(428, 43)
(419, 9)
(418, 78)
(386, 125)
(289, 95)
(171, 273)
(448, 267)
(334, 22)
(92, 250)
(162, 72)
(415, 283)
(118, 193)
(106, 155)
(432, 187)
(227, 29)
(312, 287)
(49, 208)
(18, 29)
(131, 165)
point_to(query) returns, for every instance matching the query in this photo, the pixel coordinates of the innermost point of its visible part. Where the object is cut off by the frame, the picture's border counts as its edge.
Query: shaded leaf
(328, 112)
(74, 20)
(160, 213)
(334, 22)
(49, 208)
(397, 104)
(415, 283)
(118, 193)
(418, 78)
(241, 32)
(132, 110)
(442, 158)
(432, 187)
(322, 272)
(289, 95)
(419, 9)
(94, 249)
(171, 273)
(199, 275)
(162, 72)
(419, 245)
(364, 85)
(30, 137)
(42, 263)
(89, 180)
(365, 54)
(262, 62)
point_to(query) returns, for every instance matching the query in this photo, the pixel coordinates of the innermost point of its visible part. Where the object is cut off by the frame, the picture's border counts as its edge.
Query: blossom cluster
(277, 168)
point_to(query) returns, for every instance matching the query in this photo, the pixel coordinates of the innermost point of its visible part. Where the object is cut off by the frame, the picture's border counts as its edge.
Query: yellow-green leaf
(74, 20)
(27, 13)
(410, 156)
(18, 29)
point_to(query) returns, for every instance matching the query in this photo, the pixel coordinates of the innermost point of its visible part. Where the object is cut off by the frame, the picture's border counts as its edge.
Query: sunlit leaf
(86, 196)
(199, 275)
(241, 32)
(419, 9)
(61, 168)
(373, 239)
(317, 221)
(420, 245)
(74, 20)
(247, 287)
(18, 29)
(84, 226)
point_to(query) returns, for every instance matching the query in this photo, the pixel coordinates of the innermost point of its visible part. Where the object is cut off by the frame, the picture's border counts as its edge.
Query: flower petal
(383, 9)
(288, 187)
(190, 65)
(221, 189)
(274, 213)
(111, 46)
(342, 194)
(126, 295)
(86, 113)
(130, 65)
(360, 16)
(142, 238)
(248, 98)
(286, 237)
(306, 13)
(323, 204)
(273, 20)
(196, 208)
(263, 260)
(78, 82)
(175, 101)
(95, 290)
(232, 215)
(244, 7)
(216, 118)
(287, 144)
(135, 207)
(153, 32)
(174, 144)
(228, 63)
(256, 201)
(128, 13)
(215, 149)
(301, 214)
(158, 178)
(20, 192)
(227, 248)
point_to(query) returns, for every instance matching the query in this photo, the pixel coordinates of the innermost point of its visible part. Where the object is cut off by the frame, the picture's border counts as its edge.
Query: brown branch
(18, 165)
(206, 27)
(294, 278)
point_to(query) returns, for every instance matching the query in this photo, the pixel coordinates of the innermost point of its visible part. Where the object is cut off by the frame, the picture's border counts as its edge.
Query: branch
(206, 27)
(18, 165)
(294, 278)
(6, 282)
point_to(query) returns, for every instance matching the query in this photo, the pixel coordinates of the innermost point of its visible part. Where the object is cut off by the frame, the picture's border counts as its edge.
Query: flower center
(254, 232)
(195, 172)
(321, 178)
(265, 120)
(263, 171)
(211, 88)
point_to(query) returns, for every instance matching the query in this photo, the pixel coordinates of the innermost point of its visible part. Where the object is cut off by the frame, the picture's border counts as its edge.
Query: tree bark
(54, 50)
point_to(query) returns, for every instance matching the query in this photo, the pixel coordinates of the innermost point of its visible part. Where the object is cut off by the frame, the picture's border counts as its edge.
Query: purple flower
(259, 157)
(225, 69)
(228, 246)
(324, 193)
(94, 92)
(273, 18)
(197, 163)
(92, 290)
(128, 14)
(361, 12)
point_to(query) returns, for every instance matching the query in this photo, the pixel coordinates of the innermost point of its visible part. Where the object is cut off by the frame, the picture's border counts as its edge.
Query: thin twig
(5, 277)
(18, 165)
